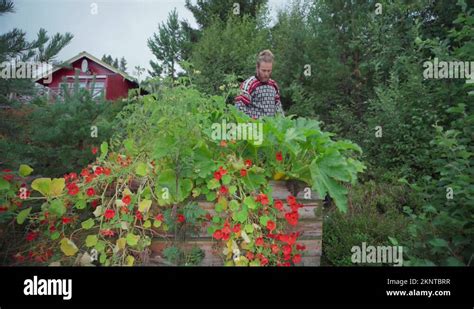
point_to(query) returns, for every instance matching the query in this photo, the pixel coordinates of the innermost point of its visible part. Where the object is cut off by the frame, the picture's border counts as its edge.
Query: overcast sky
(120, 27)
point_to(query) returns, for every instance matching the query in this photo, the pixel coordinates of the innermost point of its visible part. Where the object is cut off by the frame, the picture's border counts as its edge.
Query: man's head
(264, 65)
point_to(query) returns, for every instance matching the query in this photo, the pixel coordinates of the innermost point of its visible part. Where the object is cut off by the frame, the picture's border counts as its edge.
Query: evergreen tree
(166, 46)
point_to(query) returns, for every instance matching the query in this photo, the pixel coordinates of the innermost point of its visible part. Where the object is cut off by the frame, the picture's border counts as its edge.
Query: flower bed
(152, 178)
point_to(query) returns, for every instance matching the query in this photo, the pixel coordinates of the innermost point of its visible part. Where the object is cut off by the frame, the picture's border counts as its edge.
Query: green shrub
(372, 218)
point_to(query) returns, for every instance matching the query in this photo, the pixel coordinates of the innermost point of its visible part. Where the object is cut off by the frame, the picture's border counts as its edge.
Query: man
(260, 95)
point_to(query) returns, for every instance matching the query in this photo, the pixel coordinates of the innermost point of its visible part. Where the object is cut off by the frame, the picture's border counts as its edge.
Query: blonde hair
(265, 56)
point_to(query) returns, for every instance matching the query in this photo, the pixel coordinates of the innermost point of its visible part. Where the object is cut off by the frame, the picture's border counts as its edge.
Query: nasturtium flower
(297, 258)
(126, 199)
(181, 218)
(271, 225)
(262, 198)
(278, 205)
(259, 241)
(217, 234)
(248, 163)
(109, 214)
(94, 150)
(279, 156)
(72, 188)
(90, 192)
(243, 172)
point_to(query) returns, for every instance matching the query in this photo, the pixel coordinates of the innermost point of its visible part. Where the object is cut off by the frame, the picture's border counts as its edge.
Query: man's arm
(244, 98)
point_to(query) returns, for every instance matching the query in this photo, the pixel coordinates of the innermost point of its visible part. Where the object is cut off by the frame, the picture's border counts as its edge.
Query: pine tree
(166, 46)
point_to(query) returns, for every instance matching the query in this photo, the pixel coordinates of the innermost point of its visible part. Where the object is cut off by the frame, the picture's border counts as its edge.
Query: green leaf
(57, 186)
(104, 148)
(438, 242)
(147, 224)
(393, 241)
(248, 228)
(132, 239)
(22, 215)
(80, 204)
(234, 205)
(242, 215)
(226, 179)
(4, 185)
(141, 169)
(25, 170)
(324, 183)
(57, 208)
(42, 185)
(250, 202)
(88, 224)
(144, 206)
(213, 184)
(263, 220)
(55, 235)
(91, 240)
(68, 247)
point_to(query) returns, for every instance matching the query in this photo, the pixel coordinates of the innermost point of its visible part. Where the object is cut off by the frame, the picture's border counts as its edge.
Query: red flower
(107, 171)
(224, 190)
(275, 249)
(297, 258)
(271, 225)
(85, 172)
(159, 217)
(138, 215)
(7, 171)
(99, 170)
(109, 214)
(126, 199)
(279, 157)
(259, 241)
(222, 170)
(279, 205)
(94, 150)
(90, 192)
(223, 144)
(72, 188)
(300, 247)
(291, 199)
(248, 163)
(249, 255)
(8, 177)
(181, 218)
(243, 172)
(292, 218)
(236, 228)
(107, 233)
(124, 210)
(262, 198)
(225, 236)
(217, 175)
(208, 217)
(95, 203)
(226, 228)
(217, 234)
(263, 261)
(295, 206)
(3, 209)
(286, 249)
(52, 228)
(66, 220)
(31, 236)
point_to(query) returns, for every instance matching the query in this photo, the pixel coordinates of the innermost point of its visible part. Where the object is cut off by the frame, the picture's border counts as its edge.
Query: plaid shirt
(258, 99)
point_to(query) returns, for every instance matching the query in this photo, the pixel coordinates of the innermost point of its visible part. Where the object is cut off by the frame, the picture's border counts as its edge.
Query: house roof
(97, 60)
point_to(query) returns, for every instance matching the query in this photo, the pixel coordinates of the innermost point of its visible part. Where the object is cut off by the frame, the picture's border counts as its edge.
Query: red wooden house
(113, 82)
